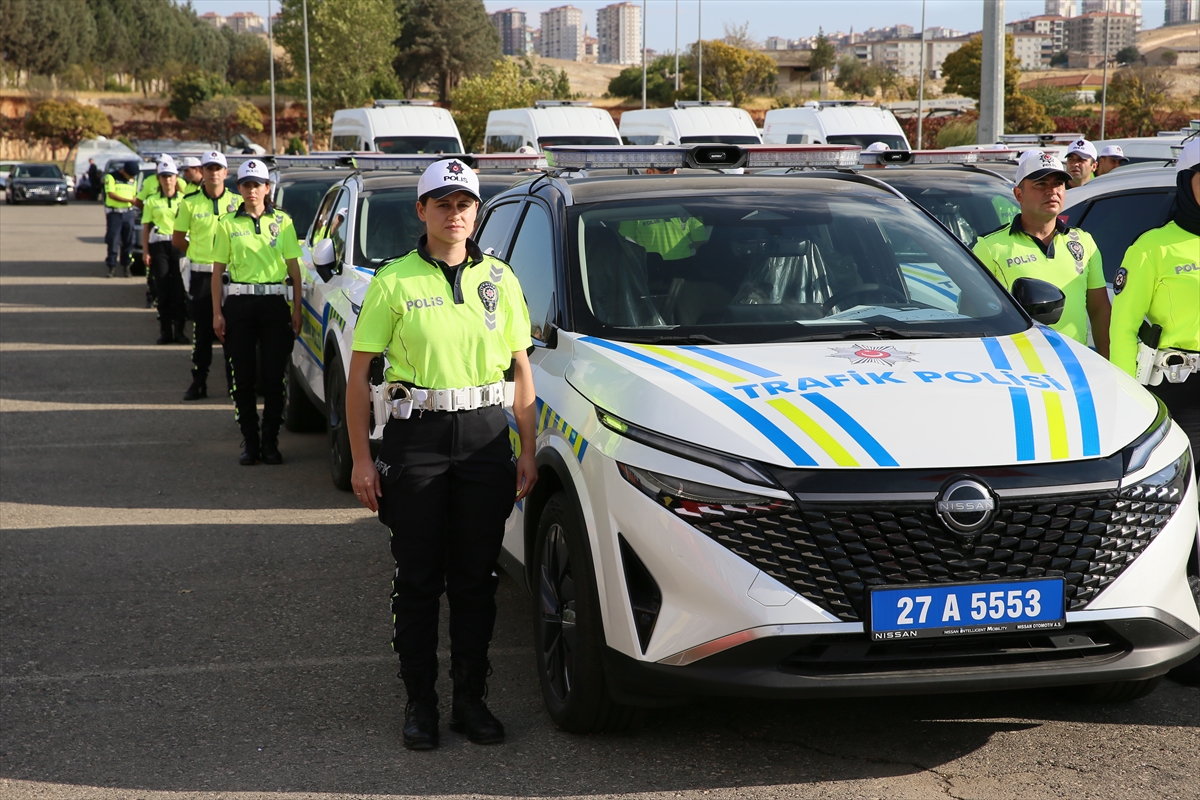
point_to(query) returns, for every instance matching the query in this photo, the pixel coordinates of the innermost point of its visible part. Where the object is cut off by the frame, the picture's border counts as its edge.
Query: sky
(789, 18)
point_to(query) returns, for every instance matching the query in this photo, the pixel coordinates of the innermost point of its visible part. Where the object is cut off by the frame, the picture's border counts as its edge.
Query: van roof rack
(1039, 138)
(702, 103)
(555, 103)
(702, 156)
(389, 103)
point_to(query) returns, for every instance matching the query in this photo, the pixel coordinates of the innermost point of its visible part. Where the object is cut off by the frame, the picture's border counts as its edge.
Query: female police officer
(452, 320)
(258, 247)
(161, 256)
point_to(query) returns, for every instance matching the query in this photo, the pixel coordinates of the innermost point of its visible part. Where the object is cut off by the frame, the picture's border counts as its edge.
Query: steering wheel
(868, 288)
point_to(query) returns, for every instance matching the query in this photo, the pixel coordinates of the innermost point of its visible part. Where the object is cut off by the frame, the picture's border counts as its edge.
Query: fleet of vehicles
(549, 122)
(689, 122)
(396, 127)
(834, 122)
(764, 466)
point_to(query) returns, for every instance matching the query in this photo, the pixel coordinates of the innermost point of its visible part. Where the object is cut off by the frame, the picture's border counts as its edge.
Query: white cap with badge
(189, 161)
(253, 171)
(1082, 147)
(1114, 151)
(166, 166)
(1035, 164)
(446, 177)
(1189, 156)
(214, 157)
(876, 147)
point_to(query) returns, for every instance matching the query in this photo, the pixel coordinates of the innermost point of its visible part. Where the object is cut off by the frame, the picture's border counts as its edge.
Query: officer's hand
(526, 475)
(146, 259)
(365, 482)
(296, 321)
(219, 326)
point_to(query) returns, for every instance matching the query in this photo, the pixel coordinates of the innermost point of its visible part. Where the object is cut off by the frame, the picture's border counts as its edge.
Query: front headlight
(1162, 489)
(1138, 453)
(698, 503)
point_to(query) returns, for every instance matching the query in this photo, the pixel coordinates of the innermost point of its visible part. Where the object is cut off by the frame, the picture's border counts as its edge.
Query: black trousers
(118, 235)
(448, 483)
(1183, 401)
(253, 324)
(168, 284)
(200, 310)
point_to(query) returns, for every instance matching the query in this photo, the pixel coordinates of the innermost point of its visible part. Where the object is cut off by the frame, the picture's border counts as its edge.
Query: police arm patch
(1119, 280)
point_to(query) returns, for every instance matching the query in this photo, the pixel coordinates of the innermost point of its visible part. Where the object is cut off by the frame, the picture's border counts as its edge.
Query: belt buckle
(460, 399)
(443, 400)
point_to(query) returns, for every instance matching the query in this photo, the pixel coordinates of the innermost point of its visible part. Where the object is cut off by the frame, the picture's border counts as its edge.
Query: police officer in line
(1081, 162)
(1037, 244)
(119, 192)
(160, 255)
(452, 321)
(1111, 157)
(1159, 281)
(191, 174)
(196, 224)
(150, 190)
(255, 271)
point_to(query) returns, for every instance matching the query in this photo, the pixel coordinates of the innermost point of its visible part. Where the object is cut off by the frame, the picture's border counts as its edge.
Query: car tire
(1189, 673)
(568, 630)
(1114, 691)
(300, 414)
(341, 463)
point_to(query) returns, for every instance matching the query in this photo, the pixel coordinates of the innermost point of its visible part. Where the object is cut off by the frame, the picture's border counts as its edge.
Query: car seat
(617, 284)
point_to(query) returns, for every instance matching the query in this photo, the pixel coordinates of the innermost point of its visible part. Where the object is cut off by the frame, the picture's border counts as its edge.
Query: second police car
(772, 464)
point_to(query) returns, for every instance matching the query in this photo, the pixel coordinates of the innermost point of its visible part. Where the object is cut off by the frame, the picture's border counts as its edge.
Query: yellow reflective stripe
(716, 372)
(1030, 356)
(815, 432)
(1056, 423)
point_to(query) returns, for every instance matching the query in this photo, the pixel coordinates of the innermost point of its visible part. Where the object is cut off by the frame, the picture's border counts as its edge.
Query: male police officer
(1111, 157)
(195, 231)
(1159, 280)
(1039, 245)
(190, 170)
(119, 191)
(1081, 162)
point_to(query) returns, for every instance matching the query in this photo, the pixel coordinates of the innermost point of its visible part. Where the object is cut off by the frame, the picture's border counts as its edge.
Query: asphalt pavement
(173, 625)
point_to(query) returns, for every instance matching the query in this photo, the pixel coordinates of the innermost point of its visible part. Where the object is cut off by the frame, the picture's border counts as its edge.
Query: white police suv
(773, 464)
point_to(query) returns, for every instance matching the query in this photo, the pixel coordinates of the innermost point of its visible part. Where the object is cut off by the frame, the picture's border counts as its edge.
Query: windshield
(37, 171)
(744, 269)
(867, 139)
(563, 141)
(712, 139)
(301, 198)
(409, 145)
(970, 209)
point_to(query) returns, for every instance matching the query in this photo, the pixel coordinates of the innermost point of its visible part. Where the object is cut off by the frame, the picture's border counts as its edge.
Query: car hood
(38, 181)
(1028, 398)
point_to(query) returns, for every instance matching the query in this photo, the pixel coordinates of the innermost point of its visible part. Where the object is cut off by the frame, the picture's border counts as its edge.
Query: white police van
(769, 467)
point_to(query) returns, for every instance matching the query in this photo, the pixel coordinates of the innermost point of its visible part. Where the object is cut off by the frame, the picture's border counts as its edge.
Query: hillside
(590, 80)
(1175, 36)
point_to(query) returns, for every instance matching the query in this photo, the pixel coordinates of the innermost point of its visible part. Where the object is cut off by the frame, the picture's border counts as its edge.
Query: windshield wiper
(691, 338)
(881, 332)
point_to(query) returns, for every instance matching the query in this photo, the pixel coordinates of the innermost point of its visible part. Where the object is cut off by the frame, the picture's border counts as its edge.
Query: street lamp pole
(644, 66)
(307, 75)
(271, 61)
(1104, 88)
(700, 49)
(921, 83)
(677, 45)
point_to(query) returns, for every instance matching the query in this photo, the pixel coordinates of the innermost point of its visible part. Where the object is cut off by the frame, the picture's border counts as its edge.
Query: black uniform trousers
(118, 236)
(168, 284)
(1183, 401)
(201, 311)
(448, 481)
(254, 323)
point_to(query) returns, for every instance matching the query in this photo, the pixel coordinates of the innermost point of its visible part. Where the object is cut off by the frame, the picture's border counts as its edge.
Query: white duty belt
(1174, 366)
(156, 237)
(257, 289)
(198, 267)
(397, 401)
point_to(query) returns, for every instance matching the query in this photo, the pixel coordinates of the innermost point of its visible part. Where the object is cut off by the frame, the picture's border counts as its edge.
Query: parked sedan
(43, 183)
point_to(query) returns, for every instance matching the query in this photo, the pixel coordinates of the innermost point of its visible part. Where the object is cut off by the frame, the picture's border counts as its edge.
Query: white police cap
(1082, 147)
(253, 170)
(166, 166)
(1189, 156)
(876, 147)
(189, 161)
(1035, 164)
(448, 176)
(214, 157)
(1113, 151)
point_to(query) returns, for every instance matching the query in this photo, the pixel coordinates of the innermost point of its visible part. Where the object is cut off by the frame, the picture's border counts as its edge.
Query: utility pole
(644, 65)
(921, 83)
(677, 45)
(307, 74)
(1104, 88)
(991, 100)
(271, 57)
(700, 49)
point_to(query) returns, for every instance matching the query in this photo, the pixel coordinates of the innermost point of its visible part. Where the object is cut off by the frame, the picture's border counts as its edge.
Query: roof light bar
(702, 156)
(322, 159)
(919, 157)
(1040, 138)
(702, 103)
(510, 162)
(390, 103)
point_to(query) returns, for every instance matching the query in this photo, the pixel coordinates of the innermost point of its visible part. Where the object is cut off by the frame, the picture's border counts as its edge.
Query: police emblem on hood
(862, 354)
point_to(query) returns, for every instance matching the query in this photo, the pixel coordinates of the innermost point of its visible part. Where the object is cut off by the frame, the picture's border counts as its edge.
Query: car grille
(830, 555)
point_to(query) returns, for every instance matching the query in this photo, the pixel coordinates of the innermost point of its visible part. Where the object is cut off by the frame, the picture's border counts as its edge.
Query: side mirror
(324, 255)
(1041, 300)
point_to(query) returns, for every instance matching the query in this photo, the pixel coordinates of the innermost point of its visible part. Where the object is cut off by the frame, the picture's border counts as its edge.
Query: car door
(309, 358)
(1116, 221)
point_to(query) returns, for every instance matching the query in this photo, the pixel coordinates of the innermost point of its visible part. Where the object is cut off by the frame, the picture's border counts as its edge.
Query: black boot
(250, 451)
(165, 334)
(197, 390)
(420, 713)
(178, 334)
(270, 449)
(468, 713)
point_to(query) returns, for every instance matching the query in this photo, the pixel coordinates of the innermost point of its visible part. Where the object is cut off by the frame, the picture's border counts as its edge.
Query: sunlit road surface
(177, 626)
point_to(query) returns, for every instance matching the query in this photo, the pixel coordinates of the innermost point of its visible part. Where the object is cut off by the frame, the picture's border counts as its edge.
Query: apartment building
(1086, 41)
(1131, 7)
(1034, 50)
(1055, 27)
(562, 33)
(510, 24)
(619, 29)
(1061, 8)
(1181, 12)
(246, 22)
(904, 55)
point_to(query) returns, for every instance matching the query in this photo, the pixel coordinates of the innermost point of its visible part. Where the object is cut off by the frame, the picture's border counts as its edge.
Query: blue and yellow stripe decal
(549, 419)
(1088, 424)
(312, 331)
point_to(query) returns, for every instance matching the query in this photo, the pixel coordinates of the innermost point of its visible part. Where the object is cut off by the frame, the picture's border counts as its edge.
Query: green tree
(1169, 57)
(1139, 93)
(1128, 55)
(222, 117)
(963, 69)
(730, 73)
(660, 82)
(1057, 101)
(855, 77)
(824, 56)
(43, 37)
(65, 123)
(249, 61)
(441, 42)
(958, 133)
(350, 44)
(191, 88)
(554, 85)
(1059, 59)
(1023, 114)
(478, 95)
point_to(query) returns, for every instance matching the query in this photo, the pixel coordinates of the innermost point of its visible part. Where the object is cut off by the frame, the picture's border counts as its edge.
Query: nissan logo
(966, 506)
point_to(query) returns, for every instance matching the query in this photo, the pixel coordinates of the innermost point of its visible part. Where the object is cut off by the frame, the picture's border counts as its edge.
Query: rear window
(868, 139)
(564, 141)
(1115, 222)
(301, 198)
(414, 145)
(719, 140)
